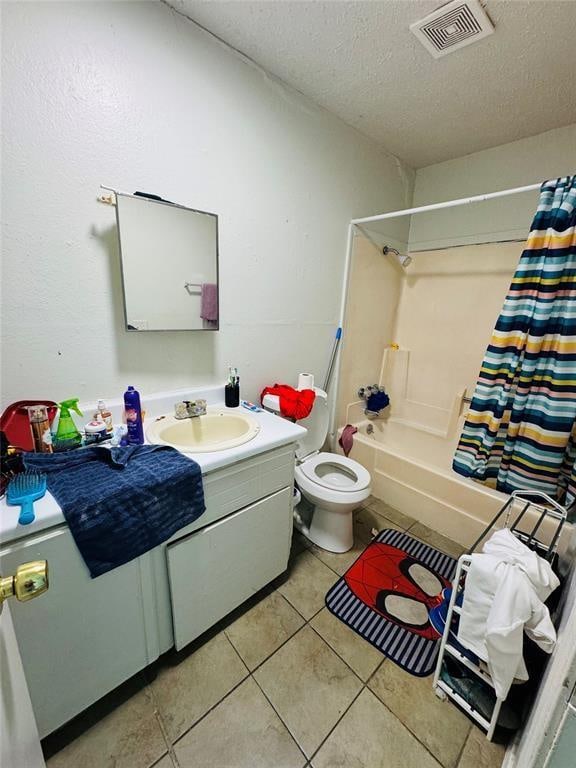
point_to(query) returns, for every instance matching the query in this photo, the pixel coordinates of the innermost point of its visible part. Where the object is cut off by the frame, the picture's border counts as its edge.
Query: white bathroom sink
(217, 430)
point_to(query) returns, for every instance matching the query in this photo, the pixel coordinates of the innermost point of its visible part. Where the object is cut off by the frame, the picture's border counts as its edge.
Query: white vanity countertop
(275, 432)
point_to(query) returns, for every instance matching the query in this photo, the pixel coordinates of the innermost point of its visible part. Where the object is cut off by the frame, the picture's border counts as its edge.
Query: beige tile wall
(373, 294)
(442, 309)
(449, 302)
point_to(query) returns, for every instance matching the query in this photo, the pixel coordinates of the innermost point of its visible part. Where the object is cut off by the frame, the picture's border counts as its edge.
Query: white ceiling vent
(459, 23)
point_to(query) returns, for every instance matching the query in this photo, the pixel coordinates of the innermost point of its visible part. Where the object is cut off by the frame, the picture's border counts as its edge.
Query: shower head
(403, 259)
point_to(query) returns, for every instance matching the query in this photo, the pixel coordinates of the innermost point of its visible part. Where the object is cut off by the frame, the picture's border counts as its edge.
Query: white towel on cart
(504, 596)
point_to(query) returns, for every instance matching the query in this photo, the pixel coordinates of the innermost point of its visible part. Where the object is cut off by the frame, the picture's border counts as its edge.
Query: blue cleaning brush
(24, 490)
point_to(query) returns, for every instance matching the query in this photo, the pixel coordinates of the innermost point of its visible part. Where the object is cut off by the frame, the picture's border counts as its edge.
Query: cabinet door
(84, 636)
(19, 742)
(214, 570)
(564, 747)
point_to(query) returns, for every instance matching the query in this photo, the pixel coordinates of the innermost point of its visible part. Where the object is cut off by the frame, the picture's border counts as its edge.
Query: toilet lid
(336, 472)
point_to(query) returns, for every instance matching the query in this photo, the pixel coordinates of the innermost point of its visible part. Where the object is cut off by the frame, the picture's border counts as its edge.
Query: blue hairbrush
(24, 490)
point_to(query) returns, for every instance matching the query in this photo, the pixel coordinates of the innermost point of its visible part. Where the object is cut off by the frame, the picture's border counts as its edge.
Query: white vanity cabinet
(86, 636)
(240, 543)
(218, 567)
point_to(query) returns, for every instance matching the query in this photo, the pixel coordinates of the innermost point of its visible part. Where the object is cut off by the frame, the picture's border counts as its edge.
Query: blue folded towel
(122, 502)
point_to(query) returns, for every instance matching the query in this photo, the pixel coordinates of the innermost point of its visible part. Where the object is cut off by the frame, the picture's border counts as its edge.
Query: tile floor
(281, 684)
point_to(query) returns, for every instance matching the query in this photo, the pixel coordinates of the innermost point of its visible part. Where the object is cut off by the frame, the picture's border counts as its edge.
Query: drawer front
(217, 568)
(227, 490)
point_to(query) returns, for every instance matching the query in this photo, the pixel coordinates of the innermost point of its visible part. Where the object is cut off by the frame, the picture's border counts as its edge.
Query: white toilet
(333, 484)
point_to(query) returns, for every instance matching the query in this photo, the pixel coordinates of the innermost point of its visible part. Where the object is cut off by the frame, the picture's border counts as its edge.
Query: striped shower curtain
(520, 430)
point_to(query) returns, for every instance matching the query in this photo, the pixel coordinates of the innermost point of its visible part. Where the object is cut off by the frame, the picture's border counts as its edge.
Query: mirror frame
(160, 201)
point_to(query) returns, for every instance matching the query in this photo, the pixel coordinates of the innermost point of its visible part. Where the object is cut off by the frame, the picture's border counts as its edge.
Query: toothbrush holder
(232, 395)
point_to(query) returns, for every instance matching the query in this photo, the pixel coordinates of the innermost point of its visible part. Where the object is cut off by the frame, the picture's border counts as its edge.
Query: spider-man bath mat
(385, 596)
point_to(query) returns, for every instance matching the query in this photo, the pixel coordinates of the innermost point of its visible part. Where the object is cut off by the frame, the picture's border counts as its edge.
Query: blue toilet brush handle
(337, 338)
(26, 512)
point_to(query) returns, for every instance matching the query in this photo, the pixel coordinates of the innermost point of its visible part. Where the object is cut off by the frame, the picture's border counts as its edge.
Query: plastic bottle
(67, 435)
(133, 411)
(40, 426)
(105, 414)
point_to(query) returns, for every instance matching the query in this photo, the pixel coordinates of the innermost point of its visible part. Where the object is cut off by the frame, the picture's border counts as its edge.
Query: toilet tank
(316, 424)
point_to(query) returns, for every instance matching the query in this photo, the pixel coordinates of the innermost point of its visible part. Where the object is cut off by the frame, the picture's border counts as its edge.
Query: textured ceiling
(360, 61)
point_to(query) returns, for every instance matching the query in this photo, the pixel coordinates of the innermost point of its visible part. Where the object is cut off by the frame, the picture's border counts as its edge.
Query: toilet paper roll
(305, 381)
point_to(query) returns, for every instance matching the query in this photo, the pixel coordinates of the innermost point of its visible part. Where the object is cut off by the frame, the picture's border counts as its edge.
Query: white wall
(133, 95)
(528, 161)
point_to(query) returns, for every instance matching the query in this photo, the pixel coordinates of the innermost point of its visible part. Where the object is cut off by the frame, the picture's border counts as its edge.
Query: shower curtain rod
(447, 204)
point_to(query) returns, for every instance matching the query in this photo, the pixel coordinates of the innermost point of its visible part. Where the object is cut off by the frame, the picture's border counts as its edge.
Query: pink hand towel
(347, 438)
(209, 302)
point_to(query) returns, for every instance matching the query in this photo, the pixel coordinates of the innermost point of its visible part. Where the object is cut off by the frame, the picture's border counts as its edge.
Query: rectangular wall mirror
(169, 259)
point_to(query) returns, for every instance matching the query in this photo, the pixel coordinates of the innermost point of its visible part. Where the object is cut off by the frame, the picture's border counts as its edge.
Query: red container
(15, 424)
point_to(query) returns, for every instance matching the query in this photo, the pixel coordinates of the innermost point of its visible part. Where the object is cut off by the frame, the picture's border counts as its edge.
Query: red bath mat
(385, 596)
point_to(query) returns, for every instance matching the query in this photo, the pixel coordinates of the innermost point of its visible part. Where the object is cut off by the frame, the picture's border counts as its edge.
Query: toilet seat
(336, 473)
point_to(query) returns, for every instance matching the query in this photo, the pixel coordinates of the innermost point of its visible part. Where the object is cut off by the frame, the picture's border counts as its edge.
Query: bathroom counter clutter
(274, 432)
(159, 596)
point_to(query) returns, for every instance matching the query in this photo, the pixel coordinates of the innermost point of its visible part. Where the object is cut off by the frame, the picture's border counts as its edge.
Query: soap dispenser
(67, 434)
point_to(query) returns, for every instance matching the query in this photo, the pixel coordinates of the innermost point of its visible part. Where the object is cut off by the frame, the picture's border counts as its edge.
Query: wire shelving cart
(536, 520)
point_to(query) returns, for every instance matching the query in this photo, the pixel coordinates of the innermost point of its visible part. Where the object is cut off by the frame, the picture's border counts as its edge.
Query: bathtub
(411, 470)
